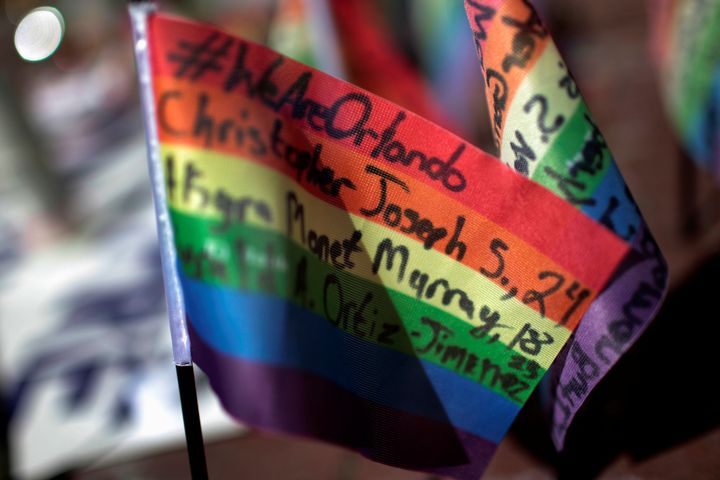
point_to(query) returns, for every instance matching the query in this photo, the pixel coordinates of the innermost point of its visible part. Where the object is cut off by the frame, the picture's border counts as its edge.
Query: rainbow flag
(686, 38)
(354, 273)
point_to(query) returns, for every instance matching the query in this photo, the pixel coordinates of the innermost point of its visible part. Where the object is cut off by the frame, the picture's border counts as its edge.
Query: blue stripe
(265, 329)
(625, 217)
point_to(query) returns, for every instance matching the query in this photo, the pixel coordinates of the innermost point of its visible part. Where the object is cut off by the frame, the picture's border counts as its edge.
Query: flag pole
(139, 11)
(5, 470)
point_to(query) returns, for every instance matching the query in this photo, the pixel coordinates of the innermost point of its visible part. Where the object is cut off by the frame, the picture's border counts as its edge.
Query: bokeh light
(39, 33)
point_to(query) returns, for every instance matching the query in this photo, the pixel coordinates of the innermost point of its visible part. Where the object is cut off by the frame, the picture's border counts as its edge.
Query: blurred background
(86, 374)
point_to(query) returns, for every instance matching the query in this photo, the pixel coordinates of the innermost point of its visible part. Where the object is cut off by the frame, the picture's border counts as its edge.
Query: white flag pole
(139, 12)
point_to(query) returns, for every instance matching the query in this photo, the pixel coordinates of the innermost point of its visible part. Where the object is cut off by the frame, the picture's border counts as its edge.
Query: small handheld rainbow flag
(354, 273)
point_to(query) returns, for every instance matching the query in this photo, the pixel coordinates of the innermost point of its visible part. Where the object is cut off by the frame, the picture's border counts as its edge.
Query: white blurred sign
(85, 355)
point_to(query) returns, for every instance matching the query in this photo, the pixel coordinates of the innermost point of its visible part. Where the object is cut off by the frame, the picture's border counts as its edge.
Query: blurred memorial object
(686, 45)
(85, 364)
(686, 35)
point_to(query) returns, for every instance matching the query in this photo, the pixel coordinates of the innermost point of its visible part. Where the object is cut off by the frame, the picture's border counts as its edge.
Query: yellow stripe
(544, 79)
(245, 179)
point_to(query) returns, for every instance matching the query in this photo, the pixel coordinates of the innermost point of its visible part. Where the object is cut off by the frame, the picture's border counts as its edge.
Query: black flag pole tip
(191, 420)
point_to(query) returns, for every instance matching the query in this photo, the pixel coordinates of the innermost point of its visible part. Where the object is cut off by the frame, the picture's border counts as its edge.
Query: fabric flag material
(545, 132)
(355, 273)
(687, 34)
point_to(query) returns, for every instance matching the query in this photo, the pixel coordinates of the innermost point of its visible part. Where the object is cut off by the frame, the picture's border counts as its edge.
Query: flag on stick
(354, 273)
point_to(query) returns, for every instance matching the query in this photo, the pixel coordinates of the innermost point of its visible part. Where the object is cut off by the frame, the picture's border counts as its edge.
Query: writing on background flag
(355, 273)
(545, 132)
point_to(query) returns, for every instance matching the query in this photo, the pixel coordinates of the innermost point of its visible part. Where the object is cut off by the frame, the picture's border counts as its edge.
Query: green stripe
(222, 265)
(566, 147)
(698, 65)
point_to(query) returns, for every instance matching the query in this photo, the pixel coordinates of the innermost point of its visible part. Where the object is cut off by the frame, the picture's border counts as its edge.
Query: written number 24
(573, 292)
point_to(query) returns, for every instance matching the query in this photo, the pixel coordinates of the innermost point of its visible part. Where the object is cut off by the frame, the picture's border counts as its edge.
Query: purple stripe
(283, 399)
(610, 326)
